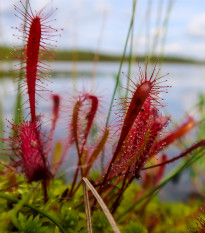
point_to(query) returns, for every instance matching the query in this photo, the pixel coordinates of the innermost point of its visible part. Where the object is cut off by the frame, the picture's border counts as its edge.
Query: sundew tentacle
(56, 109)
(37, 36)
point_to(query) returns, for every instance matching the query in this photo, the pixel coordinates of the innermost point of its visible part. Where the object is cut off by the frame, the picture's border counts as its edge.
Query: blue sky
(83, 20)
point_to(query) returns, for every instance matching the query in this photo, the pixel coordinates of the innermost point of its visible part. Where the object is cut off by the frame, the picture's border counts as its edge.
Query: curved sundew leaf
(148, 89)
(75, 125)
(37, 33)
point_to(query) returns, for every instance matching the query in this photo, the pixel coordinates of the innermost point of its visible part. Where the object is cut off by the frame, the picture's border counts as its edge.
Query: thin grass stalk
(194, 157)
(102, 205)
(130, 56)
(139, 31)
(87, 208)
(121, 62)
(165, 28)
(74, 73)
(148, 16)
(18, 112)
(157, 35)
(96, 56)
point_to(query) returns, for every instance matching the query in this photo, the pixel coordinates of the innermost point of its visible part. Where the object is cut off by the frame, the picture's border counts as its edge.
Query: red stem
(189, 150)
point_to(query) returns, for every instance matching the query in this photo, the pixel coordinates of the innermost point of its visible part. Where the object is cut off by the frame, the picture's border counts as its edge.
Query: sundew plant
(130, 142)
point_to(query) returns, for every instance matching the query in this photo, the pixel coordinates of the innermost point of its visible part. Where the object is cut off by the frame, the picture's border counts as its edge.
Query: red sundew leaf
(151, 179)
(176, 134)
(28, 147)
(82, 120)
(91, 114)
(155, 130)
(138, 144)
(147, 88)
(84, 113)
(76, 110)
(56, 106)
(135, 142)
(37, 33)
(135, 106)
(32, 53)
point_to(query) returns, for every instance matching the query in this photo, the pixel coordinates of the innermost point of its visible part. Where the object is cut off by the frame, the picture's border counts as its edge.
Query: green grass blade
(157, 34)
(121, 62)
(14, 200)
(18, 112)
(130, 56)
(165, 28)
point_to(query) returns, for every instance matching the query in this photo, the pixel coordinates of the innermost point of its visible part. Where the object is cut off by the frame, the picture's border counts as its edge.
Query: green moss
(100, 222)
(134, 227)
(30, 224)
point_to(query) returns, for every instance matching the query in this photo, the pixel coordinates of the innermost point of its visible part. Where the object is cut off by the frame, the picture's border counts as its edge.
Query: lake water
(186, 81)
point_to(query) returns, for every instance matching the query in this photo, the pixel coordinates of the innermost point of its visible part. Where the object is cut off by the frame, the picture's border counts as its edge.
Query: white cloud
(103, 7)
(173, 48)
(197, 26)
(158, 31)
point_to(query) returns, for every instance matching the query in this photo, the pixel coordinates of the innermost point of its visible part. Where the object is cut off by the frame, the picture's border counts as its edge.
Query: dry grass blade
(87, 208)
(102, 205)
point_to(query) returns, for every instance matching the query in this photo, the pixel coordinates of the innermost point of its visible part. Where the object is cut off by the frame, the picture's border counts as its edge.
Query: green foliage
(69, 219)
(100, 222)
(30, 224)
(134, 227)
(162, 217)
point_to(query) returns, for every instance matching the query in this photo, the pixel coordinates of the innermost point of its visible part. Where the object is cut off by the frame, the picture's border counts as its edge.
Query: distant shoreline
(79, 55)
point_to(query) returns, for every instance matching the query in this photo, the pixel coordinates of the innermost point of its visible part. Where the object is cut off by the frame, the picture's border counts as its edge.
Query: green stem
(165, 28)
(130, 56)
(121, 62)
(18, 106)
